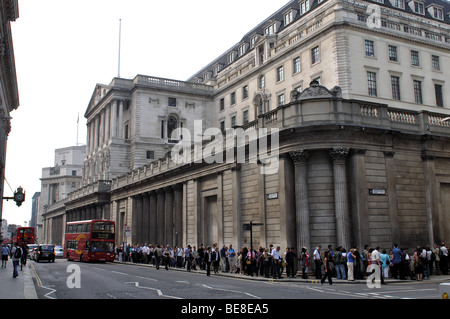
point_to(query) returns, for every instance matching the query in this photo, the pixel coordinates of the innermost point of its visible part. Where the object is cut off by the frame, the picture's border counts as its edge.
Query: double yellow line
(38, 280)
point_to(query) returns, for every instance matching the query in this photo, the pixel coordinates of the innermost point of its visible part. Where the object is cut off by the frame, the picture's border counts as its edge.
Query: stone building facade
(357, 112)
(9, 94)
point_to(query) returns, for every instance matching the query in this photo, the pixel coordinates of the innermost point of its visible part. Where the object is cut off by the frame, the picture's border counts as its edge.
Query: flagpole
(120, 33)
(78, 121)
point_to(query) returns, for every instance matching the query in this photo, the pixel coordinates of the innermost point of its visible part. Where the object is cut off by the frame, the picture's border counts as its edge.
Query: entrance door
(211, 226)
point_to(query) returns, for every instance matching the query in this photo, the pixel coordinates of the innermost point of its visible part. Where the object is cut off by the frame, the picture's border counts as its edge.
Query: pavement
(22, 287)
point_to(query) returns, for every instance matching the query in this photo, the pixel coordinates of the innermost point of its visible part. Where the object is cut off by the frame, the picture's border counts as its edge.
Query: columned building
(9, 94)
(343, 107)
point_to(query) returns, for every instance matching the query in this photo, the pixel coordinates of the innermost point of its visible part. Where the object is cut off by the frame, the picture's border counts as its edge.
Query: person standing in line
(216, 257)
(223, 258)
(317, 262)
(328, 267)
(16, 254)
(231, 253)
(187, 257)
(396, 261)
(350, 264)
(443, 259)
(166, 257)
(385, 263)
(376, 262)
(340, 263)
(5, 254)
(157, 253)
(437, 260)
(276, 260)
(208, 259)
(303, 261)
(290, 258)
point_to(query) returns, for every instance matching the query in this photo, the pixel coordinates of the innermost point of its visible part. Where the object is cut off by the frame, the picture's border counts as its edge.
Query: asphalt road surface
(76, 280)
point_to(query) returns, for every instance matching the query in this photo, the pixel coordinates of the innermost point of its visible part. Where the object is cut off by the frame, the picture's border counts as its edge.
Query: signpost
(250, 228)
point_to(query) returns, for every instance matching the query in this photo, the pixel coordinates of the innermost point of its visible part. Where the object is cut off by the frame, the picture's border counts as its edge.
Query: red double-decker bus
(90, 240)
(25, 235)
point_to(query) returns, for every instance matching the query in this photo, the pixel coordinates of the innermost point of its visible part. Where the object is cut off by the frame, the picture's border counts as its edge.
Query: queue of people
(271, 262)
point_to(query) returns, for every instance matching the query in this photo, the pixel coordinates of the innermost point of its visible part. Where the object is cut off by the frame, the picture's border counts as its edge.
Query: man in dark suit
(208, 259)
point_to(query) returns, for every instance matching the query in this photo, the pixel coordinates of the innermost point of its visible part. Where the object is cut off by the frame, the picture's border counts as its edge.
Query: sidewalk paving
(21, 287)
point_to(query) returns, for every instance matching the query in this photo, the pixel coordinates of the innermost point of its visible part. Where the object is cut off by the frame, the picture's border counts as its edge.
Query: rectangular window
(262, 82)
(288, 17)
(368, 44)
(438, 13)
(315, 55)
(233, 121)
(399, 4)
(372, 83)
(233, 98)
(280, 99)
(222, 104)
(418, 7)
(245, 92)
(245, 116)
(74, 173)
(222, 126)
(393, 53)
(297, 65)
(415, 58)
(172, 101)
(435, 62)
(418, 91)
(304, 6)
(280, 74)
(150, 155)
(438, 93)
(395, 83)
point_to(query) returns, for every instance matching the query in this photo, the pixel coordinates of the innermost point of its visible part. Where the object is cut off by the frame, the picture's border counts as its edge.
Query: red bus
(90, 240)
(25, 235)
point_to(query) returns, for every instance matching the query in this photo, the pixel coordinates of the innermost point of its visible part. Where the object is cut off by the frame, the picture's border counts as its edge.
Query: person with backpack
(16, 255)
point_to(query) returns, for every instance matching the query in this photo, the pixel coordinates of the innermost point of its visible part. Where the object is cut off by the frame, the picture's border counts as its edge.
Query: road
(75, 280)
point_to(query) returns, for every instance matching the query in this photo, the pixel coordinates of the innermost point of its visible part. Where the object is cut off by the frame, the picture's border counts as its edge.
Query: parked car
(59, 251)
(44, 252)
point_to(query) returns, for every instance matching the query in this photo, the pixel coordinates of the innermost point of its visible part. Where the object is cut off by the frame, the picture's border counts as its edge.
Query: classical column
(160, 216)
(301, 199)
(178, 213)
(153, 217)
(114, 118)
(169, 215)
(121, 119)
(343, 231)
(107, 122)
(88, 138)
(139, 219)
(146, 218)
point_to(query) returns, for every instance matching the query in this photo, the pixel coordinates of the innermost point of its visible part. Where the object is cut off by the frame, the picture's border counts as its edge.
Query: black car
(44, 252)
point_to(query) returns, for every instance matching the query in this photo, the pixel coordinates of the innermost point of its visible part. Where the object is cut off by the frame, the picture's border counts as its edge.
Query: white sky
(63, 48)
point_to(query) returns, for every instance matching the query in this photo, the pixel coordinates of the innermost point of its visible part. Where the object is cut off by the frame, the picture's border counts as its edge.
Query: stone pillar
(114, 118)
(343, 231)
(108, 122)
(160, 216)
(88, 138)
(169, 240)
(178, 213)
(120, 134)
(99, 211)
(146, 218)
(301, 199)
(139, 219)
(153, 217)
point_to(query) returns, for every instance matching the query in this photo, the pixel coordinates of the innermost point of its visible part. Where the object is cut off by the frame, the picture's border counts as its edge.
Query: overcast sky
(63, 48)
